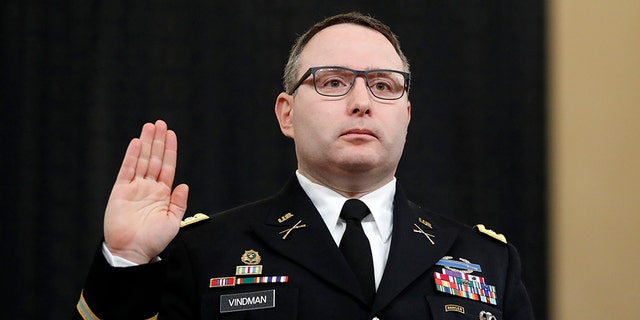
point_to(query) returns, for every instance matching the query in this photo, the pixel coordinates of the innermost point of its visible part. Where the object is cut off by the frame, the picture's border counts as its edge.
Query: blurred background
(524, 118)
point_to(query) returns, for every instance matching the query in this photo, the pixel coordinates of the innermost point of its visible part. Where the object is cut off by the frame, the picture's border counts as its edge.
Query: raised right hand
(143, 213)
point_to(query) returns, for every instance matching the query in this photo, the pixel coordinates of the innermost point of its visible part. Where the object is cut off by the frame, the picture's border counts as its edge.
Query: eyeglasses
(337, 81)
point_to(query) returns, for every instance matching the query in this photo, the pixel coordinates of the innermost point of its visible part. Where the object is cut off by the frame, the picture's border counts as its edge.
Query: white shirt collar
(329, 204)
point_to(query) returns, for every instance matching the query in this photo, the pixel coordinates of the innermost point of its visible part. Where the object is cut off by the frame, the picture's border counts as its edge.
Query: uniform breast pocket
(255, 303)
(452, 307)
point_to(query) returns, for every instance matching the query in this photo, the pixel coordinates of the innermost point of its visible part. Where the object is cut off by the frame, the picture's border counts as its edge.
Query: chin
(359, 165)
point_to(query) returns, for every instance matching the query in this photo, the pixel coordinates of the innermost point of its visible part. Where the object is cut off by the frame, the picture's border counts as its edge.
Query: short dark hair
(357, 18)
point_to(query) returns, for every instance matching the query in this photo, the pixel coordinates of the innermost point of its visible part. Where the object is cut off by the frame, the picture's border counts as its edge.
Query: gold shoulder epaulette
(498, 236)
(196, 218)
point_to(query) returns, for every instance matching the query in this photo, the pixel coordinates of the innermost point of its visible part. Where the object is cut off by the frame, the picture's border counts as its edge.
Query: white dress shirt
(377, 226)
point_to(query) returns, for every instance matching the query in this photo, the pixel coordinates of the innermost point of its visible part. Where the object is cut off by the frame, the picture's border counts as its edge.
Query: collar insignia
(428, 235)
(286, 232)
(285, 217)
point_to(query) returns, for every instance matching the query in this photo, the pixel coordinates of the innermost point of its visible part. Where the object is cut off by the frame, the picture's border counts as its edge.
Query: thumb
(178, 201)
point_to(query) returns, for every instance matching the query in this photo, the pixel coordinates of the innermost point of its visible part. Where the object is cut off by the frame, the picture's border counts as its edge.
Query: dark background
(80, 78)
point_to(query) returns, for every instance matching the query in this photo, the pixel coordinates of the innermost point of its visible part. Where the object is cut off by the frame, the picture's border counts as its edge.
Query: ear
(284, 113)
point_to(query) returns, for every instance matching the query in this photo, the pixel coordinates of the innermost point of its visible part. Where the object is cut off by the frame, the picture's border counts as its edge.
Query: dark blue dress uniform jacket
(320, 283)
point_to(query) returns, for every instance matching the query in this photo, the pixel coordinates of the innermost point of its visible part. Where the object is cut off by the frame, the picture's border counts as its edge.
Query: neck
(349, 185)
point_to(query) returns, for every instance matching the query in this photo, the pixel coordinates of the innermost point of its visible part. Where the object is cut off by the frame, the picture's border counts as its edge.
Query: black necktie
(355, 246)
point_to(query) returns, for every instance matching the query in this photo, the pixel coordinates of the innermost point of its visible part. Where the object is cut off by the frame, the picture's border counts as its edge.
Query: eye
(335, 83)
(381, 86)
(333, 79)
(385, 82)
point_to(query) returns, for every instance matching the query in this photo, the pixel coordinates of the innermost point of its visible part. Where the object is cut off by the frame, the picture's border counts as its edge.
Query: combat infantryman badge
(461, 265)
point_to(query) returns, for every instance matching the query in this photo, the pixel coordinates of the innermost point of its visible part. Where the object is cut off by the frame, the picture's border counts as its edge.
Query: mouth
(359, 133)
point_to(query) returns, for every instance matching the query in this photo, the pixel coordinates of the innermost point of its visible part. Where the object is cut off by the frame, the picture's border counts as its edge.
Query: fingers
(152, 159)
(168, 167)
(146, 140)
(128, 168)
(152, 156)
(157, 151)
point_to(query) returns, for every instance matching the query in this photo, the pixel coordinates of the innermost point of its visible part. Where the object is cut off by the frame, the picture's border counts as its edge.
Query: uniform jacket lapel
(410, 256)
(311, 246)
(411, 253)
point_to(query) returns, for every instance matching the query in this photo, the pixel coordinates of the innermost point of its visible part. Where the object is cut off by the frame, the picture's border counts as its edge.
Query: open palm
(143, 213)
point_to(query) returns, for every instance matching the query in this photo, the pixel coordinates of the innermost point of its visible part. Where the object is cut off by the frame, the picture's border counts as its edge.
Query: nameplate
(247, 301)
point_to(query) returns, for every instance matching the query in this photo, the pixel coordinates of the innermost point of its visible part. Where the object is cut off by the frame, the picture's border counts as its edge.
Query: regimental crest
(248, 274)
(251, 257)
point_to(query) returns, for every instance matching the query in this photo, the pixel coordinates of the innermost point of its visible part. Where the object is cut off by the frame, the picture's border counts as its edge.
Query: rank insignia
(251, 257)
(196, 218)
(498, 236)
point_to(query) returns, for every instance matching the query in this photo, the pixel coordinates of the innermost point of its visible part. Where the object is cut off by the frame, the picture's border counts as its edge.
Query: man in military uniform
(339, 241)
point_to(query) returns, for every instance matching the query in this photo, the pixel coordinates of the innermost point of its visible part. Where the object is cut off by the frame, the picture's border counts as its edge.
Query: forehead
(350, 45)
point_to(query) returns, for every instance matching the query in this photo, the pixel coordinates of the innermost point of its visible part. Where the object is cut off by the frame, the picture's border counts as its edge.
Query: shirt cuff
(115, 261)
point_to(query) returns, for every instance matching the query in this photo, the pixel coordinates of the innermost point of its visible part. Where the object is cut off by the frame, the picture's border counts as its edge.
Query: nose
(359, 97)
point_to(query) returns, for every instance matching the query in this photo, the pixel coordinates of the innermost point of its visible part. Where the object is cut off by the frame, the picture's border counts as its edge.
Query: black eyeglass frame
(357, 73)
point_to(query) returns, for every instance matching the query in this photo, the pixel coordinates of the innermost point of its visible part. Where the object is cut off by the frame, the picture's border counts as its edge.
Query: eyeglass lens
(384, 84)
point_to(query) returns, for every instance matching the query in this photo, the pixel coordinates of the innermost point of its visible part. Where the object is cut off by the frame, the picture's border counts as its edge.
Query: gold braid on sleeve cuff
(87, 314)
